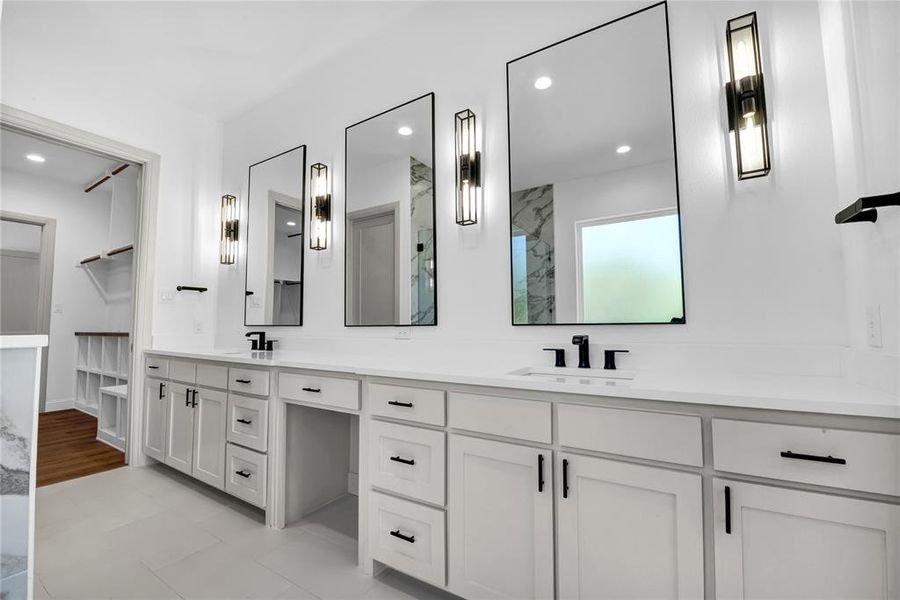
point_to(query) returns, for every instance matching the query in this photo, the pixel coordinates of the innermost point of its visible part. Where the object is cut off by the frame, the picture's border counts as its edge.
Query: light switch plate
(402, 333)
(873, 326)
(57, 309)
(167, 296)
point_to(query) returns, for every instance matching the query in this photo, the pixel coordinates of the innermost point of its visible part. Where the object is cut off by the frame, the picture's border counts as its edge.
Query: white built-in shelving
(102, 360)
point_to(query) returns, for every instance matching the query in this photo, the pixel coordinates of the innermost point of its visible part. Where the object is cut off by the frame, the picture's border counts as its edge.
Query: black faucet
(584, 351)
(257, 344)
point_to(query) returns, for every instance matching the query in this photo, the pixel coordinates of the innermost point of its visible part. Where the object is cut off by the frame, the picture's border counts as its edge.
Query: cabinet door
(500, 520)
(210, 417)
(156, 406)
(790, 544)
(628, 531)
(180, 428)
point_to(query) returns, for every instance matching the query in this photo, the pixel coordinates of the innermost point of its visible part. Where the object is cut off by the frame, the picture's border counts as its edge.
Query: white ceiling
(63, 163)
(610, 88)
(216, 58)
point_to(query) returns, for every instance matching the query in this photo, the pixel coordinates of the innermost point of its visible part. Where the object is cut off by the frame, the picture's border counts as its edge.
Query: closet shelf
(865, 210)
(111, 255)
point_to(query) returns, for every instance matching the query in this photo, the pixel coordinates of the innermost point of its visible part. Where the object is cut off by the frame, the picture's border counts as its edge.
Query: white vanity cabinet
(195, 432)
(156, 409)
(772, 542)
(179, 428)
(501, 520)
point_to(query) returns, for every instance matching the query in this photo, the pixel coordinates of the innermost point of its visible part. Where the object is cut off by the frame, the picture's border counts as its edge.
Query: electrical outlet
(402, 333)
(57, 309)
(873, 325)
(198, 326)
(167, 296)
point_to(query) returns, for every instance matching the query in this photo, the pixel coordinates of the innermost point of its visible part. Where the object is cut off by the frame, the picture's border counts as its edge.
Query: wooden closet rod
(100, 181)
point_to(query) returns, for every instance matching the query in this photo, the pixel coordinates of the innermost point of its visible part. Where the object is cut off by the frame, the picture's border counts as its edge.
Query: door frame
(144, 247)
(45, 286)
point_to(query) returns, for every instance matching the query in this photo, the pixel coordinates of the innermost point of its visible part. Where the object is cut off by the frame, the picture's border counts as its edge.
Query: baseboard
(353, 483)
(63, 404)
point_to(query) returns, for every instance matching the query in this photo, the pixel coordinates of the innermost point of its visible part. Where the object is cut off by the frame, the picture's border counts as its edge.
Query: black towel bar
(864, 209)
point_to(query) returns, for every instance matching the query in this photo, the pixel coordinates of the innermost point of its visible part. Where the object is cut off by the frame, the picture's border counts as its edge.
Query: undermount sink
(581, 376)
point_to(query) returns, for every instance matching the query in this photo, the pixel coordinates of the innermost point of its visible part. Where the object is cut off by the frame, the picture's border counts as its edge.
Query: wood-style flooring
(68, 448)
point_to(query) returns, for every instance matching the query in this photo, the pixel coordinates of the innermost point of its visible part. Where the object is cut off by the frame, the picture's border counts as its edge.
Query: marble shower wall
(421, 184)
(532, 217)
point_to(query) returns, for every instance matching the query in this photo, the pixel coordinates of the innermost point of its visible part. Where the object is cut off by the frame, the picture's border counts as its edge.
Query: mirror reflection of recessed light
(405, 130)
(542, 83)
(36, 158)
(623, 149)
(290, 224)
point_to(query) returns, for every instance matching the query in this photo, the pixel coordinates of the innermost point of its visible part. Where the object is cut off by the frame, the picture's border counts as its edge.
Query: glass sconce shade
(228, 244)
(746, 98)
(468, 169)
(320, 207)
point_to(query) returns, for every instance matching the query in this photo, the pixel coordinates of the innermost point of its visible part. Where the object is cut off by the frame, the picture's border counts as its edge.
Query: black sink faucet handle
(560, 354)
(260, 342)
(584, 351)
(609, 359)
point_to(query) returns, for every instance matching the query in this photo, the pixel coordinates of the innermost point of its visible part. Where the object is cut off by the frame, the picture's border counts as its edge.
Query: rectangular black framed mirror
(390, 259)
(273, 290)
(595, 223)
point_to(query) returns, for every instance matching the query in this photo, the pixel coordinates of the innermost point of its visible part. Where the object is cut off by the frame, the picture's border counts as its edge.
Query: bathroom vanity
(467, 479)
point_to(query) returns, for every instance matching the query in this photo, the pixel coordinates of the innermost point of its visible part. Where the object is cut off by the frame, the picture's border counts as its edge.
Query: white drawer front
(331, 391)
(510, 417)
(655, 436)
(212, 376)
(408, 403)
(248, 381)
(408, 537)
(156, 367)
(245, 474)
(183, 371)
(408, 460)
(248, 422)
(871, 461)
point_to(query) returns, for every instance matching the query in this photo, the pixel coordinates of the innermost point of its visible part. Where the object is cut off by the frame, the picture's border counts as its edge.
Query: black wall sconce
(746, 98)
(468, 169)
(320, 207)
(228, 244)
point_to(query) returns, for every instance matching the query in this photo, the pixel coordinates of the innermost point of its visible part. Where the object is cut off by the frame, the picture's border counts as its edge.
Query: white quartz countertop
(827, 395)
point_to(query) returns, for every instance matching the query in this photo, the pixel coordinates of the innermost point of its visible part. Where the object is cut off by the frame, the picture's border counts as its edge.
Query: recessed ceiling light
(405, 130)
(290, 223)
(36, 158)
(623, 149)
(542, 83)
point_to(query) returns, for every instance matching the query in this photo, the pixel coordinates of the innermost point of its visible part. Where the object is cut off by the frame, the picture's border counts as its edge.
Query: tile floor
(151, 532)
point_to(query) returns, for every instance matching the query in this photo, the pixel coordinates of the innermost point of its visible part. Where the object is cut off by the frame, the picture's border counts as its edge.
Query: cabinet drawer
(408, 403)
(408, 537)
(183, 371)
(331, 391)
(510, 417)
(248, 422)
(245, 474)
(408, 460)
(211, 376)
(844, 459)
(156, 367)
(655, 436)
(249, 381)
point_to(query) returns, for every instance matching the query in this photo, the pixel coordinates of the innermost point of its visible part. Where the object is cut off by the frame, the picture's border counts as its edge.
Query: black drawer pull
(405, 461)
(243, 473)
(162, 390)
(187, 397)
(194, 396)
(313, 390)
(244, 421)
(152, 367)
(406, 538)
(825, 459)
(728, 509)
(540, 472)
(565, 481)
(242, 380)
(403, 404)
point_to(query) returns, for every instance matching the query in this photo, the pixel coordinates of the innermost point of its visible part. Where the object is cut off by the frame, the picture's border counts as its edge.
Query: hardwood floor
(68, 448)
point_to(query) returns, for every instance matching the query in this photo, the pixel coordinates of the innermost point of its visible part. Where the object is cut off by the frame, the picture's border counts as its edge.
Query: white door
(628, 531)
(180, 428)
(156, 406)
(210, 425)
(777, 543)
(500, 520)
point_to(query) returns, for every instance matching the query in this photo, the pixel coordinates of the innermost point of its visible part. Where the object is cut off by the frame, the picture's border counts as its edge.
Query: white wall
(82, 222)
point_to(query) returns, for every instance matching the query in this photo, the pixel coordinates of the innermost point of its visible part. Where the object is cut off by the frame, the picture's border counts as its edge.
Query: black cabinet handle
(187, 397)
(727, 509)
(242, 380)
(565, 478)
(313, 390)
(243, 473)
(194, 401)
(403, 404)
(406, 538)
(152, 367)
(405, 461)
(162, 393)
(540, 472)
(244, 421)
(825, 459)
